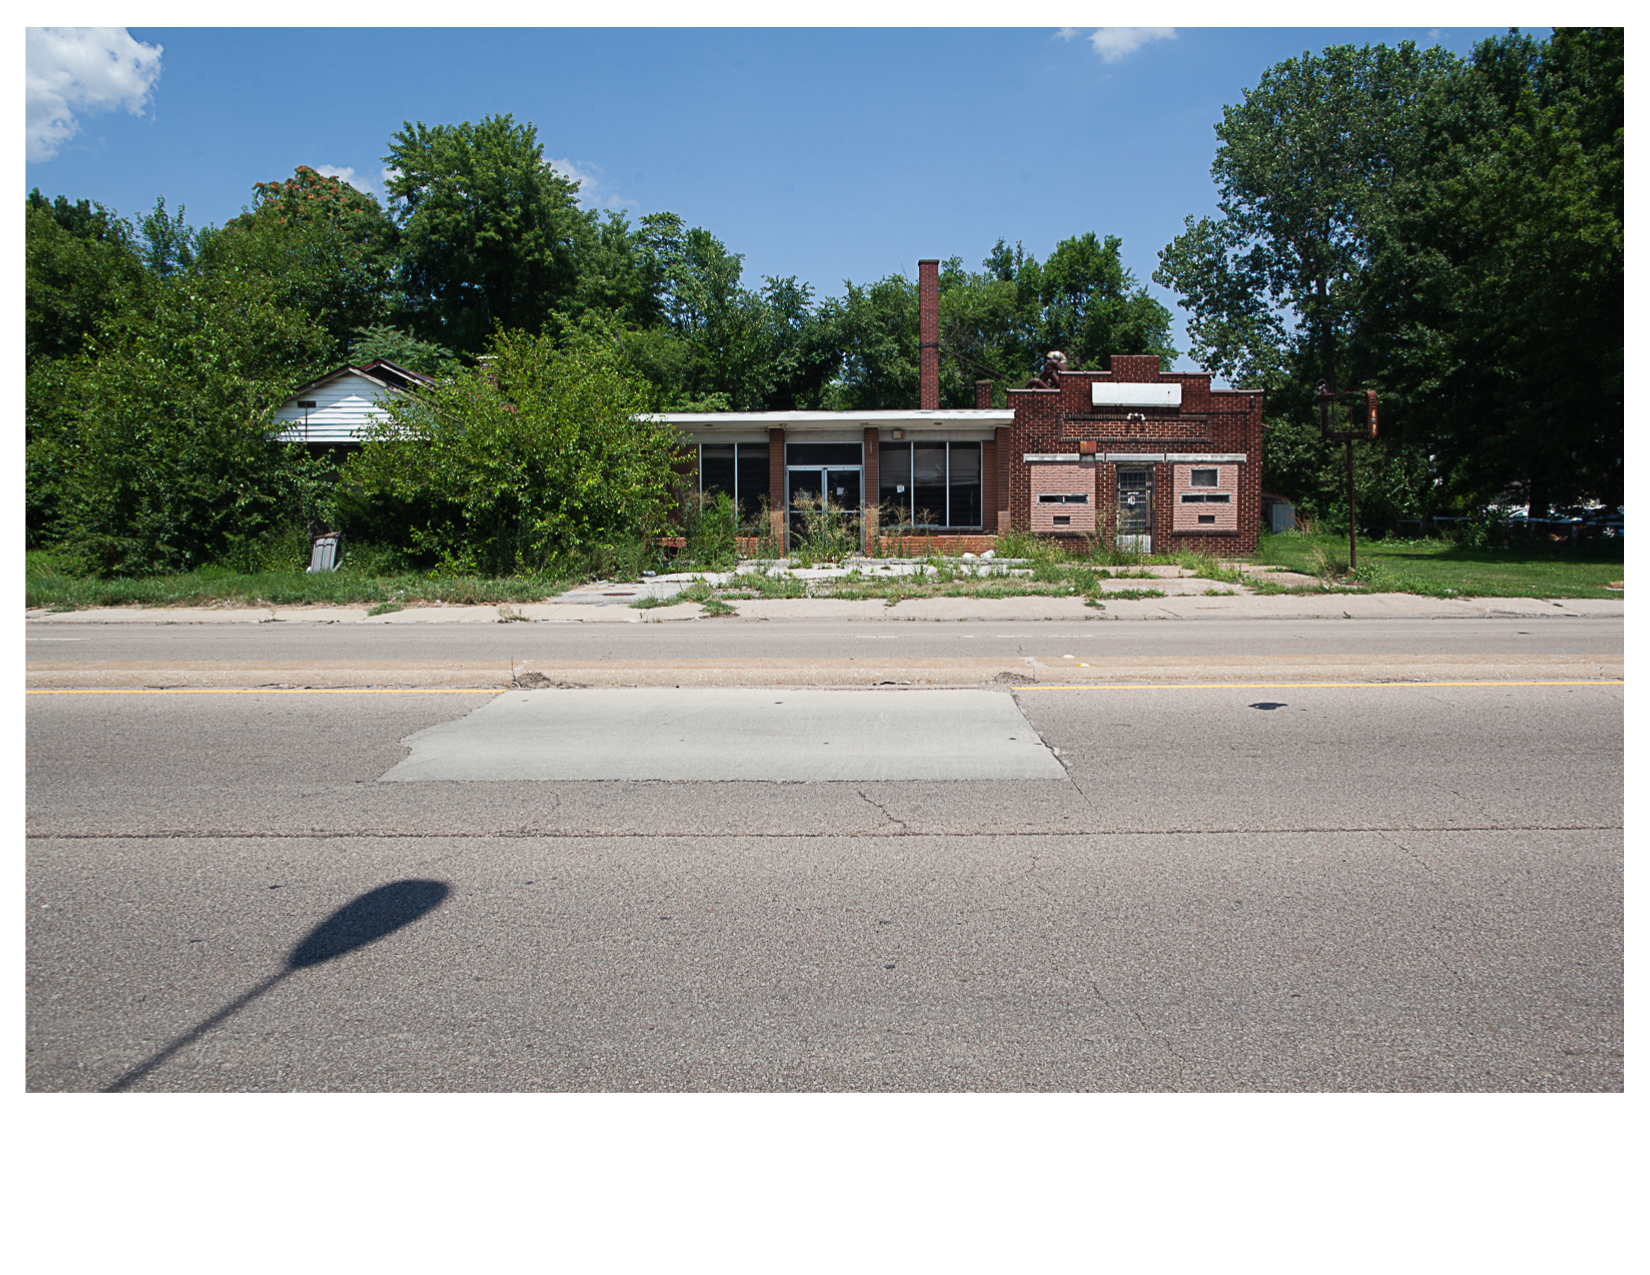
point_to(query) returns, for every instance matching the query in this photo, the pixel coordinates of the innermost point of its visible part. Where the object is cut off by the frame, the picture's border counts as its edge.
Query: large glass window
(716, 470)
(930, 484)
(738, 469)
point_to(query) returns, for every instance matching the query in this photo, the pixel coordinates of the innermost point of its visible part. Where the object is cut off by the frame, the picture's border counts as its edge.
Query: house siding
(344, 410)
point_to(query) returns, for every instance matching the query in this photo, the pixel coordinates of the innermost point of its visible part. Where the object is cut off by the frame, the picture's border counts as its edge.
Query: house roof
(381, 372)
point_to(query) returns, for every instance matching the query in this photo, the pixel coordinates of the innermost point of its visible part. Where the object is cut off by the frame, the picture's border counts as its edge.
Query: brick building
(1150, 460)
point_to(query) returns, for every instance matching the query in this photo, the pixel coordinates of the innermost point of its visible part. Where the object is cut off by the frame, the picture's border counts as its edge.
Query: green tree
(1494, 302)
(1447, 231)
(997, 324)
(81, 271)
(381, 341)
(1304, 168)
(489, 232)
(533, 462)
(153, 449)
(320, 246)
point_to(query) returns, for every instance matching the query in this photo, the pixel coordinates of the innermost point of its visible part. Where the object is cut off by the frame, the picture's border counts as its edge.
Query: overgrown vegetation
(536, 463)
(50, 582)
(1446, 230)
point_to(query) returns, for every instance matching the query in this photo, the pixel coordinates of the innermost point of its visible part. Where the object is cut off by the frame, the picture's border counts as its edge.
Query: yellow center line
(283, 690)
(1276, 686)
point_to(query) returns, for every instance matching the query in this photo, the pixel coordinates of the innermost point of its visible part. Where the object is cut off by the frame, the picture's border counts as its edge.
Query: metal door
(1134, 508)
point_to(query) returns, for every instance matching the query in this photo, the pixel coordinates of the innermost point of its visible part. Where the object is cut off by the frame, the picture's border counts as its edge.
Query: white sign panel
(1107, 394)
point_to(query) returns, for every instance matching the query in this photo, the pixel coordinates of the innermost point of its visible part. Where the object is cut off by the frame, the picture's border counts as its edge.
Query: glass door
(804, 490)
(818, 499)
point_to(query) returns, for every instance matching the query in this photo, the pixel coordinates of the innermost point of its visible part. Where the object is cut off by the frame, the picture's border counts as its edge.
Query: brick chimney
(982, 394)
(928, 310)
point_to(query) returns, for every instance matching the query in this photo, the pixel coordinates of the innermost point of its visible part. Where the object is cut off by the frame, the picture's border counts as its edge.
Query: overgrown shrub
(538, 460)
(711, 523)
(154, 449)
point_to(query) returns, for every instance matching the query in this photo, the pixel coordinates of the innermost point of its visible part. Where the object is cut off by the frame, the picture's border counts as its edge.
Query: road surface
(1394, 886)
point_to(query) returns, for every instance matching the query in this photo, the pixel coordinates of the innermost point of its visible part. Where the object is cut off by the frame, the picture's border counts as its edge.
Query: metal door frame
(821, 470)
(1118, 495)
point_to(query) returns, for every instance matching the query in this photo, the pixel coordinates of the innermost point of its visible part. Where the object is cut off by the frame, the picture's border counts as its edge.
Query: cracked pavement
(1390, 886)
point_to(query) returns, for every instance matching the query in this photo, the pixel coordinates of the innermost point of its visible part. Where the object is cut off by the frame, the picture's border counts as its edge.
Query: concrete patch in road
(725, 734)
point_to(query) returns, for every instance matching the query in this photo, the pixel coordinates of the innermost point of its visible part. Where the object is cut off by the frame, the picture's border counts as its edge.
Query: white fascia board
(913, 419)
(1044, 458)
(1208, 458)
(1135, 394)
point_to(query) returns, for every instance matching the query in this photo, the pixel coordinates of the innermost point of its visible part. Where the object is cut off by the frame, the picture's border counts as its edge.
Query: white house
(339, 407)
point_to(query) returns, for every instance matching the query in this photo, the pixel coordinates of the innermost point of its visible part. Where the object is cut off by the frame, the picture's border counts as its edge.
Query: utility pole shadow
(359, 922)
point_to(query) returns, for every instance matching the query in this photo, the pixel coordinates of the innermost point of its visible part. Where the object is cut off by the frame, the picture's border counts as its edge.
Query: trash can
(326, 552)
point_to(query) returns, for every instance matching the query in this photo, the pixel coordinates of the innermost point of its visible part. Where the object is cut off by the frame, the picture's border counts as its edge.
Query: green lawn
(47, 584)
(1440, 568)
(1432, 567)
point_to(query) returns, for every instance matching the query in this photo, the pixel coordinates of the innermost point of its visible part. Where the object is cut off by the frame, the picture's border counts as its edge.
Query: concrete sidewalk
(1209, 602)
(1183, 607)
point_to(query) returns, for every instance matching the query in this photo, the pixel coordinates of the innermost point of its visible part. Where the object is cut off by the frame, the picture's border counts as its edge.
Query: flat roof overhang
(804, 422)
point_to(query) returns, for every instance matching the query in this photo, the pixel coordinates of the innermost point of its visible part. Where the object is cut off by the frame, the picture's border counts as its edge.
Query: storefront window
(738, 469)
(930, 485)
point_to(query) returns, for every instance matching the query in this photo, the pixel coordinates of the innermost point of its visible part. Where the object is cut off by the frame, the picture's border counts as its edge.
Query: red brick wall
(928, 319)
(776, 483)
(1005, 471)
(1208, 421)
(1062, 478)
(988, 486)
(922, 546)
(1184, 517)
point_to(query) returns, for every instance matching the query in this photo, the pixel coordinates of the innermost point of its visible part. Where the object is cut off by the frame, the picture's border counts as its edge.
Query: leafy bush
(541, 459)
(154, 449)
(710, 523)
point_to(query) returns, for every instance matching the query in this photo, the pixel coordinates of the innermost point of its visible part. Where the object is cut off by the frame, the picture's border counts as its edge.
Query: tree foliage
(153, 449)
(1444, 230)
(532, 461)
(489, 231)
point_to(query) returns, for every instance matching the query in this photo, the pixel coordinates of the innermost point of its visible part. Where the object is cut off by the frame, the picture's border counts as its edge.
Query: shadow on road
(359, 922)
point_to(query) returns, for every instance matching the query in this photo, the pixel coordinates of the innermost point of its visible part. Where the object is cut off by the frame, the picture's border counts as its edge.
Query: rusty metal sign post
(1361, 423)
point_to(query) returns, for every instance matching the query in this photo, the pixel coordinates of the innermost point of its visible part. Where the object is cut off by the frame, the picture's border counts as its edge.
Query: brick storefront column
(776, 485)
(1005, 517)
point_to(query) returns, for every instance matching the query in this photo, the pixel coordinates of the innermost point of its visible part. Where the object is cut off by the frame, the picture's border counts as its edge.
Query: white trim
(1143, 458)
(908, 419)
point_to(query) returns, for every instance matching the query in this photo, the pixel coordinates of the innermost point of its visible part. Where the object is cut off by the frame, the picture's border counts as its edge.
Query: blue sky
(825, 154)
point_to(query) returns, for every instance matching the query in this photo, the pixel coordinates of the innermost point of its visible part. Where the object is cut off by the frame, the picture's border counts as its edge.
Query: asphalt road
(1383, 887)
(821, 639)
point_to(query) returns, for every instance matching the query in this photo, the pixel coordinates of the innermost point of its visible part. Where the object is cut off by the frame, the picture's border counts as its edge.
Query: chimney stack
(928, 309)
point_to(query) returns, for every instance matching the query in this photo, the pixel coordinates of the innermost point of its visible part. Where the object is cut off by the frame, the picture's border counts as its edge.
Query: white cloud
(1113, 44)
(593, 192)
(347, 176)
(86, 70)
